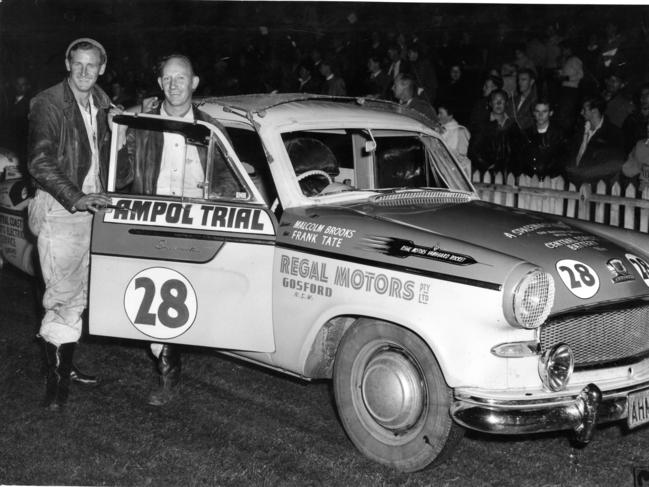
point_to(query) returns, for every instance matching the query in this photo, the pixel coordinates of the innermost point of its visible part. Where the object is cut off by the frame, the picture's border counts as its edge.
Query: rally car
(16, 242)
(338, 238)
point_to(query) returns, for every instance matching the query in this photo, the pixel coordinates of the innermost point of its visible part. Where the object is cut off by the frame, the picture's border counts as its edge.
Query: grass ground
(237, 425)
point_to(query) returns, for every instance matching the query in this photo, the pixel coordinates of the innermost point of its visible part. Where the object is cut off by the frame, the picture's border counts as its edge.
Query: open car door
(191, 266)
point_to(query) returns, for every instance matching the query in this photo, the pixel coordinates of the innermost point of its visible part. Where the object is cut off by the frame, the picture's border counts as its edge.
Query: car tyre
(392, 398)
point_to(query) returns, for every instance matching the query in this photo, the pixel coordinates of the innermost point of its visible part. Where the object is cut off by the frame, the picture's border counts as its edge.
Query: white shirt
(91, 183)
(180, 170)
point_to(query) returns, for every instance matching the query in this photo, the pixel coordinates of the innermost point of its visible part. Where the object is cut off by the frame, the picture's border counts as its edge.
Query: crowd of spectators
(557, 101)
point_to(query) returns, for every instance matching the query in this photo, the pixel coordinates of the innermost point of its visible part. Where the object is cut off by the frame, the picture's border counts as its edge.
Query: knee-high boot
(169, 369)
(59, 365)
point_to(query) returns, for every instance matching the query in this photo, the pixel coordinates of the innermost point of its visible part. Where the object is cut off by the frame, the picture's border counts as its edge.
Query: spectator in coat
(618, 105)
(423, 72)
(519, 106)
(332, 85)
(306, 82)
(379, 83)
(634, 127)
(481, 108)
(570, 90)
(455, 135)
(637, 164)
(405, 91)
(456, 92)
(597, 153)
(542, 146)
(490, 147)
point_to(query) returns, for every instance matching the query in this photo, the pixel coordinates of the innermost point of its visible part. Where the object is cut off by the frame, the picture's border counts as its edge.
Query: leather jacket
(59, 154)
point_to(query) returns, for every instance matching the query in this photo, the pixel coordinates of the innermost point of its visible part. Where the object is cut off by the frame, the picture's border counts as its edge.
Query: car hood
(587, 267)
(474, 242)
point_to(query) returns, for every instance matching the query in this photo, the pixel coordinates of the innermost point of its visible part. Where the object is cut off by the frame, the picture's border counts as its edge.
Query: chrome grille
(605, 336)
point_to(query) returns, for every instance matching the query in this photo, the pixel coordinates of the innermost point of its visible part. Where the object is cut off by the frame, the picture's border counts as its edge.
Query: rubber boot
(169, 383)
(59, 365)
(76, 375)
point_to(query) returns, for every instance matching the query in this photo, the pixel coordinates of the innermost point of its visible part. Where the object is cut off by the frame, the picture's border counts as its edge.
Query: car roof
(279, 108)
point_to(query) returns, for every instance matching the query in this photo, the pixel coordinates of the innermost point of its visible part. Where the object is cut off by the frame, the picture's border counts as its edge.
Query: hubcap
(392, 390)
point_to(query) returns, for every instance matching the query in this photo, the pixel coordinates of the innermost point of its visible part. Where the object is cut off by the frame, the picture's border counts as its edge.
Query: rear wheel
(392, 397)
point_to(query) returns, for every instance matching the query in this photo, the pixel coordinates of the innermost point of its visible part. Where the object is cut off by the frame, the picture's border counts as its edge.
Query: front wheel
(392, 398)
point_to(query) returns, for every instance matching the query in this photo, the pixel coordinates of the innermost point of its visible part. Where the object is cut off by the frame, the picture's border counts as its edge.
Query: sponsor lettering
(11, 228)
(188, 215)
(309, 277)
(574, 243)
(321, 234)
(376, 282)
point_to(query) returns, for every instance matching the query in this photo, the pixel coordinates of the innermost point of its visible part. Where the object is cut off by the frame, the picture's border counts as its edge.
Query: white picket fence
(601, 203)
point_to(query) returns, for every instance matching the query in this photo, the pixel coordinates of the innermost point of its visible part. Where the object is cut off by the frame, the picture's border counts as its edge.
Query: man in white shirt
(168, 166)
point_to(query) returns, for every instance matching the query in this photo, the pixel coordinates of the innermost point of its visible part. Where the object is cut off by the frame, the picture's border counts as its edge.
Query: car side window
(400, 162)
(173, 159)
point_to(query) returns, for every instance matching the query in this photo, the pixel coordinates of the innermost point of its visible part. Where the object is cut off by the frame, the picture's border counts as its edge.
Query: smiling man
(68, 148)
(156, 163)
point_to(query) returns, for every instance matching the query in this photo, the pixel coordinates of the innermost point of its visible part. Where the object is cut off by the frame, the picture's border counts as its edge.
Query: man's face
(399, 90)
(542, 114)
(488, 87)
(613, 84)
(587, 113)
(455, 73)
(178, 82)
(21, 86)
(84, 67)
(498, 104)
(524, 82)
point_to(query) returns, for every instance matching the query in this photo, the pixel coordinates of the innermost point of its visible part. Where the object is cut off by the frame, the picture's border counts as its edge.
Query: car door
(175, 268)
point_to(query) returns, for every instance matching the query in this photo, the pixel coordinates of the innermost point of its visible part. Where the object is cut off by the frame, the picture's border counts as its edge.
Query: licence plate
(638, 408)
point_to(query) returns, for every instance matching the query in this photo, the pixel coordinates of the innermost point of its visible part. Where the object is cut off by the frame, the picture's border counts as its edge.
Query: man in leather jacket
(150, 160)
(68, 148)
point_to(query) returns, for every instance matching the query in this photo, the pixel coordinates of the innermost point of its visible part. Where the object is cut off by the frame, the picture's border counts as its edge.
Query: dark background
(35, 33)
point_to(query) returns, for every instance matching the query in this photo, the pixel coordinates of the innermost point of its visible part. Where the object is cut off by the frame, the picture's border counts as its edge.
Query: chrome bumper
(580, 413)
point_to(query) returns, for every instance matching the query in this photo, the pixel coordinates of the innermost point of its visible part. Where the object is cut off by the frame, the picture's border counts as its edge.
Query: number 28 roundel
(160, 302)
(581, 279)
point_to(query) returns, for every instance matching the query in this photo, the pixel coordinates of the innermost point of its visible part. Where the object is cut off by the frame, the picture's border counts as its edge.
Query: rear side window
(401, 162)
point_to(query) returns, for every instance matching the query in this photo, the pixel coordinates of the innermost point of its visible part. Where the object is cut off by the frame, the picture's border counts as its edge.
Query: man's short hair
(527, 71)
(86, 44)
(164, 60)
(597, 102)
(496, 80)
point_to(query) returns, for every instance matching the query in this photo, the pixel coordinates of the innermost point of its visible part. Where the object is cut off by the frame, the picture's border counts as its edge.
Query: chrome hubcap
(392, 390)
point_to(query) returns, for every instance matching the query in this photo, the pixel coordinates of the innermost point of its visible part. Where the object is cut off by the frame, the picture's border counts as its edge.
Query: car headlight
(529, 301)
(556, 366)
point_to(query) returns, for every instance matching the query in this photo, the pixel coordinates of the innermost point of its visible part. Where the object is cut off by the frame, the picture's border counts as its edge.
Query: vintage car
(337, 238)
(16, 242)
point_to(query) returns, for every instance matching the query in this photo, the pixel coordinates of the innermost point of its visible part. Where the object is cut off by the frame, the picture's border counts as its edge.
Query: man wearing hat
(68, 150)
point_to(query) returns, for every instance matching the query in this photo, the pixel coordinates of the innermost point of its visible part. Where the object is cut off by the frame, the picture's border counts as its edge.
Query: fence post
(629, 210)
(644, 212)
(584, 202)
(510, 199)
(600, 207)
(616, 190)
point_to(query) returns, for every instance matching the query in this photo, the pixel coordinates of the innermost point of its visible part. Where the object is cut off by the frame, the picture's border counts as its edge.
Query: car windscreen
(370, 160)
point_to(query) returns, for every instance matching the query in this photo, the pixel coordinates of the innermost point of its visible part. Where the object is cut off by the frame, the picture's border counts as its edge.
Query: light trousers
(64, 252)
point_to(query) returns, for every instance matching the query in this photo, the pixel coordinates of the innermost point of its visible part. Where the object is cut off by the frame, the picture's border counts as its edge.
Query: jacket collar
(98, 95)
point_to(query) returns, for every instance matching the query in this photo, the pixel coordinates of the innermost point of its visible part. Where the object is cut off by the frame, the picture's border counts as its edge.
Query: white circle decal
(579, 278)
(160, 303)
(640, 265)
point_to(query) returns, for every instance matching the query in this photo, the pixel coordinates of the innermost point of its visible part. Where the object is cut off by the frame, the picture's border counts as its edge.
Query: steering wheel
(315, 172)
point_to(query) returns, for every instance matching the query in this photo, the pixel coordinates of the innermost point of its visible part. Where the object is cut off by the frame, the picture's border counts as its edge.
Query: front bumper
(579, 412)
